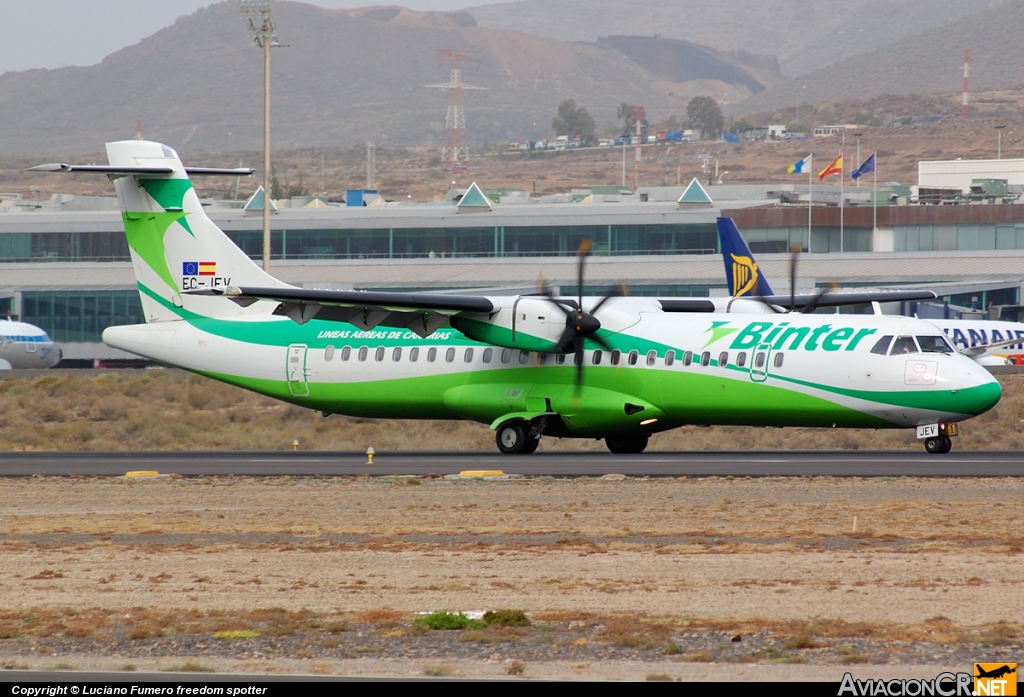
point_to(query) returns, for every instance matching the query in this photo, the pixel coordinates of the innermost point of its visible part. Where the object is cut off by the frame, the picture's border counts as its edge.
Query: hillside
(683, 61)
(346, 76)
(927, 62)
(804, 34)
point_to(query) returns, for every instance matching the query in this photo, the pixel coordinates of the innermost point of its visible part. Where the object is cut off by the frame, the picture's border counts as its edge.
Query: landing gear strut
(513, 438)
(938, 445)
(626, 445)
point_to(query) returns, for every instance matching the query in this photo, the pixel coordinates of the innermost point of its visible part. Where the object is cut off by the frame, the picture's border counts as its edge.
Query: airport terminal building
(65, 264)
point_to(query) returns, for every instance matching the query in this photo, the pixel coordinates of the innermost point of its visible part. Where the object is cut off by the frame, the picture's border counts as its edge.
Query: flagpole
(810, 189)
(874, 193)
(842, 182)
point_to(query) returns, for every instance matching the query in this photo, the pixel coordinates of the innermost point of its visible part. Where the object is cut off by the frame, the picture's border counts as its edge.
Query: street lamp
(999, 141)
(263, 34)
(858, 136)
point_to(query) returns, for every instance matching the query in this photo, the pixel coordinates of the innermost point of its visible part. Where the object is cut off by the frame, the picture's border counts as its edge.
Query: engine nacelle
(526, 323)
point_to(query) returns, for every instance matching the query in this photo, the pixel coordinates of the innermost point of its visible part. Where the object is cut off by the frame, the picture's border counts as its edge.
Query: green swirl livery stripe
(736, 399)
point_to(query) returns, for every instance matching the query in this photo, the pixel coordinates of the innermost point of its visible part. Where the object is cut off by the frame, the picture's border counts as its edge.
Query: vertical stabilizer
(741, 270)
(174, 245)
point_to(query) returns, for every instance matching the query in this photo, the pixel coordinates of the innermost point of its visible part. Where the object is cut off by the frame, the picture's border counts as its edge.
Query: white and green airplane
(529, 366)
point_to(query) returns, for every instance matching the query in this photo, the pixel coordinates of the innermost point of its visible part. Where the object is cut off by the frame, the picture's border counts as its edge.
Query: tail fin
(174, 245)
(740, 268)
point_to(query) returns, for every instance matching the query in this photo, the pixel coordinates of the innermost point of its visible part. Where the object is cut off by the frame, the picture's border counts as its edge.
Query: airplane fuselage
(671, 370)
(24, 346)
(966, 333)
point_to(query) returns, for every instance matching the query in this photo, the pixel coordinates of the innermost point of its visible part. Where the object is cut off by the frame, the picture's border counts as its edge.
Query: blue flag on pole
(868, 166)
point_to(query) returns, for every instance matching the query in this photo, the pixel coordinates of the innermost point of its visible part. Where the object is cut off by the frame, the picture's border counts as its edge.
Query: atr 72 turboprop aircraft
(616, 368)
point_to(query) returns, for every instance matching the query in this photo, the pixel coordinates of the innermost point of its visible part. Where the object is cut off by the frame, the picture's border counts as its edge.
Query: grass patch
(506, 618)
(439, 671)
(445, 620)
(237, 634)
(850, 655)
(189, 667)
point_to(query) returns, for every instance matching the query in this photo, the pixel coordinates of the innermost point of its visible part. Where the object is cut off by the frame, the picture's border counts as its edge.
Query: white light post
(262, 33)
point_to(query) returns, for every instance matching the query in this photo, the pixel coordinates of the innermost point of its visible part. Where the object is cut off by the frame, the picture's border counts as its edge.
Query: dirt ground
(622, 578)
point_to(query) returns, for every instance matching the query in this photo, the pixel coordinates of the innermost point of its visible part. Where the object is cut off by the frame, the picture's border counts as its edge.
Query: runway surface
(894, 463)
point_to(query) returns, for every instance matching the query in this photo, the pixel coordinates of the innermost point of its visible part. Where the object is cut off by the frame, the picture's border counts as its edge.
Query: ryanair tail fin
(174, 245)
(741, 270)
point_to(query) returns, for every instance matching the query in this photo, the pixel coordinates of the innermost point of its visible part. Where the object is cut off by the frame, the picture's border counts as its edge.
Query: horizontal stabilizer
(108, 169)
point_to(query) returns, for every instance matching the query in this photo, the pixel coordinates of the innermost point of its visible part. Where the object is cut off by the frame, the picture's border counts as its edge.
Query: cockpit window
(881, 346)
(934, 344)
(903, 344)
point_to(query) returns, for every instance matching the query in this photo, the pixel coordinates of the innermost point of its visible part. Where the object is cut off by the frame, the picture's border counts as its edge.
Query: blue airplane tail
(741, 270)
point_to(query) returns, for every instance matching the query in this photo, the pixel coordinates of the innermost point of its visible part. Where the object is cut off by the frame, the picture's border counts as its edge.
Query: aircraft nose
(980, 391)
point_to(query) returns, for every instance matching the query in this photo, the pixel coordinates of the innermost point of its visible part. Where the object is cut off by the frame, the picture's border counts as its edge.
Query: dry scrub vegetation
(171, 410)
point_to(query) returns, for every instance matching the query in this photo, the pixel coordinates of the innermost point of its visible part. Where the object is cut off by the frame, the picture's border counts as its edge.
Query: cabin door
(296, 371)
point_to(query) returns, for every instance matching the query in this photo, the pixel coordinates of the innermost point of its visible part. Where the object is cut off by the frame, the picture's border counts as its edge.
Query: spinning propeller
(580, 325)
(809, 307)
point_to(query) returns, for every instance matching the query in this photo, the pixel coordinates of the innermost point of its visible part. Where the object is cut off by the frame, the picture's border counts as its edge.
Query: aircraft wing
(420, 312)
(852, 298)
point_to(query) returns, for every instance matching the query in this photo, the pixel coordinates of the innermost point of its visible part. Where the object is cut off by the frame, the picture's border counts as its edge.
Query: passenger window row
(506, 356)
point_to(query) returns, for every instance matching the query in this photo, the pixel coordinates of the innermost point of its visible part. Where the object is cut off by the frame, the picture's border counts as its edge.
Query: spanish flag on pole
(835, 168)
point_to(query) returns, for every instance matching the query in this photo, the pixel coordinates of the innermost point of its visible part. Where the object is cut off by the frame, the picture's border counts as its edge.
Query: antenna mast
(967, 67)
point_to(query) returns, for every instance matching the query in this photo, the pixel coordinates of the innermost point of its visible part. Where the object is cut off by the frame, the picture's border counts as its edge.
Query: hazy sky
(55, 33)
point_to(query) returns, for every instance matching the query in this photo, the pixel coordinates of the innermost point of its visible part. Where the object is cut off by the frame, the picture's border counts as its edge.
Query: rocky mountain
(931, 61)
(804, 34)
(347, 76)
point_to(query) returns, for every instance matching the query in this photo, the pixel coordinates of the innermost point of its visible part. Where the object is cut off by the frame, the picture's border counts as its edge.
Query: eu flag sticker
(190, 268)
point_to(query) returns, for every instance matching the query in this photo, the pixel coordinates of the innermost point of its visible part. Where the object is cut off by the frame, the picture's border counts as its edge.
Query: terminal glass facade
(497, 241)
(824, 239)
(940, 238)
(80, 316)
(64, 246)
(524, 241)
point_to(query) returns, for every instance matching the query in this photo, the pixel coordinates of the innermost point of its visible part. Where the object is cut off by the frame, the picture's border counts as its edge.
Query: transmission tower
(455, 150)
(371, 166)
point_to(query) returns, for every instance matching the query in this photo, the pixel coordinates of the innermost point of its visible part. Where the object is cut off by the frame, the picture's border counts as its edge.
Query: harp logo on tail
(744, 275)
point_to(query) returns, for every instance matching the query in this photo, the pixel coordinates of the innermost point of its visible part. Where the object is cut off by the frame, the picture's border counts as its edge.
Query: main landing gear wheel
(513, 439)
(628, 445)
(938, 445)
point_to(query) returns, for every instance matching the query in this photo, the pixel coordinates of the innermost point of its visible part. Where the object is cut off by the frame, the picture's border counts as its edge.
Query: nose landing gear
(938, 445)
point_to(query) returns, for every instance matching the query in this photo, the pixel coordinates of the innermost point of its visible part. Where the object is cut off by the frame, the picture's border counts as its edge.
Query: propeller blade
(774, 308)
(811, 306)
(565, 340)
(616, 292)
(579, 365)
(600, 342)
(582, 253)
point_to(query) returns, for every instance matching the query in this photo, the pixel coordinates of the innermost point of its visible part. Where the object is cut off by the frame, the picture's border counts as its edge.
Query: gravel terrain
(622, 578)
